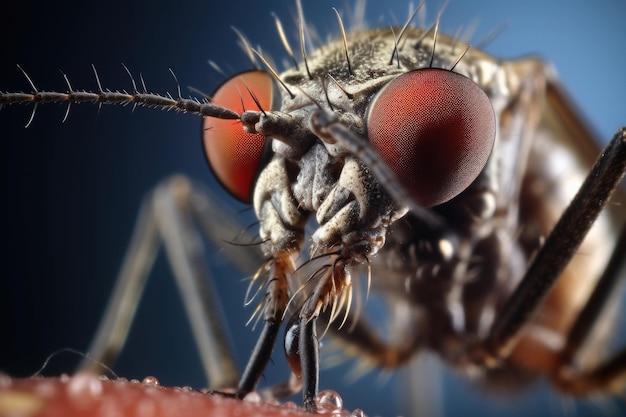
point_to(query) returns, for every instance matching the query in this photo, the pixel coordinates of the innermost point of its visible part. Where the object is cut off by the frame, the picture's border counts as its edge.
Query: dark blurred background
(69, 192)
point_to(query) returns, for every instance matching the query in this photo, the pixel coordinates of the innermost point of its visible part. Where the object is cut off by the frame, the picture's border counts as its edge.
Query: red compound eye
(233, 154)
(435, 129)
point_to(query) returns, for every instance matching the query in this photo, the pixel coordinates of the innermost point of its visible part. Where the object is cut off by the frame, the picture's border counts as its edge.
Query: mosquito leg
(259, 359)
(272, 307)
(310, 358)
(168, 214)
(558, 249)
(610, 375)
(606, 288)
(113, 329)
(186, 257)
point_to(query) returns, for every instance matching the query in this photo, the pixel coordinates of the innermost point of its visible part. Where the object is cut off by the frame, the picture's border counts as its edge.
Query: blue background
(70, 191)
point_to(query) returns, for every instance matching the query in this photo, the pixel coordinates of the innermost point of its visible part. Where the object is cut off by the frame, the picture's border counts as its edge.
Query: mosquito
(481, 312)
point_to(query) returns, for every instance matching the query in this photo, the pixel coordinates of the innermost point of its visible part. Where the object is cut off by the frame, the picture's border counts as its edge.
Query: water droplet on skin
(252, 397)
(290, 405)
(84, 384)
(328, 401)
(135, 381)
(46, 389)
(151, 381)
(358, 413)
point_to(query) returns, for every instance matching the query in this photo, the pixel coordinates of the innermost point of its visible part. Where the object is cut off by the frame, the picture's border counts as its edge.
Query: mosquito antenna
(467, 48)
(283, 39)
(164, 102)
(406, 25)
(346, 92)
(302, 43)
(345, 41)
(273, 72)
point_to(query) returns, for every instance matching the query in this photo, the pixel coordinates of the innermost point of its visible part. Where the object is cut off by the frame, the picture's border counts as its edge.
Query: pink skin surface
(89, 395)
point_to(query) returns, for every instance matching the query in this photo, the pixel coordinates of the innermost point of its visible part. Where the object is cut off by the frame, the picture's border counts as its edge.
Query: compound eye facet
(435, 129)
(233, 154)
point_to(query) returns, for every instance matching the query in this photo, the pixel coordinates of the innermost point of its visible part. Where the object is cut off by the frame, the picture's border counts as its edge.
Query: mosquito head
(412, 125)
